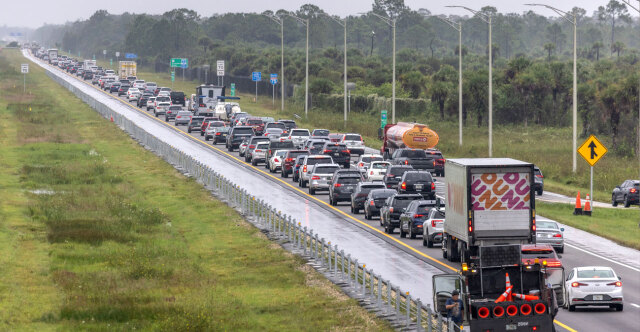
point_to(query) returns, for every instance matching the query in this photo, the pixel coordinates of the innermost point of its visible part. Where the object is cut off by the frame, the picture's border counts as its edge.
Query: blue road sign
(130, 55)
(274, 78)
(256, 76)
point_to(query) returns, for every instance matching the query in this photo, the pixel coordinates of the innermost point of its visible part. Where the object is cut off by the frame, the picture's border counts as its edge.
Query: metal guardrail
(376, 293)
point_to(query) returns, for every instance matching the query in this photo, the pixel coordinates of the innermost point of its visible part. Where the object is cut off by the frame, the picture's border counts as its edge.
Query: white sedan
(133, 94)
(276, 160)
(593, 286)
(377, 170)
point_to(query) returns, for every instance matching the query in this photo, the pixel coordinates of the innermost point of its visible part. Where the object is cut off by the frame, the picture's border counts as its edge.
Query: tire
(312, 191)
(619, 307)
(402, 232)
(351, 208)
(560, 250)
(253, 163)
(201, 133)
(367, 216)
(155, 114)
(613, 200)
(572, 307)
(303, 183)
(189, 130)
(427, 239)
(166, 119)
(284, 174)
(206, 138)
(381, 221)
(539, 192)
(356, 211)
(412, 235)
(626, 202)
(389, 229)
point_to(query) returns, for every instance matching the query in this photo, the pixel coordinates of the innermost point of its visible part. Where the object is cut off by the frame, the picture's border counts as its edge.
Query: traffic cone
(504, 295)
(578, 210)
(526, 297)
(508, 285)
(587, 207)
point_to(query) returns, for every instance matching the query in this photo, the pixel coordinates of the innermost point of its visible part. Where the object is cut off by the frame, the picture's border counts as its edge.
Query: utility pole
(392, 23)
(487, 19)
(279, 20)
(305, 22)
(343, 23)
(573, 20)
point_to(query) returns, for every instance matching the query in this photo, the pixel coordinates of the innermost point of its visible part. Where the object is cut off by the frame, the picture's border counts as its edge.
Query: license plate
(418, 187)
(336, 154)
(597, 297)
(511, 327)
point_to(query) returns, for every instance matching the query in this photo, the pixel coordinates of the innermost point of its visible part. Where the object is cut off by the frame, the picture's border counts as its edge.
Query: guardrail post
(429, 319)
(379, 303)
(304, 240)
(419, 314)
(349, 268)
(439, 322)
(408, 306)
(341, 264)
(335, 260)
(355, 274)
(398, 302)
(364, 280)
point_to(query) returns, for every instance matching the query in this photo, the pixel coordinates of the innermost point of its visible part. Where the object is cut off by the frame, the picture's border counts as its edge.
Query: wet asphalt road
(588, 319)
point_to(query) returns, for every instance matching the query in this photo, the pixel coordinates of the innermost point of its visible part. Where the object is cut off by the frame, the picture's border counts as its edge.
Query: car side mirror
(620, 278)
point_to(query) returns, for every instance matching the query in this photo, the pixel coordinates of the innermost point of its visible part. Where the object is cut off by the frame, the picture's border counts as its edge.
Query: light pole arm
(389, 21)
(455, 25)
(485, 17)
(274, 18)
(300, 20)
(342, 23)
(562, 13)
(628, 2)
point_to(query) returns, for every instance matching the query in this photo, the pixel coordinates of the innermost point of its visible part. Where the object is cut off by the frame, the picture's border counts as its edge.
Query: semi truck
(88, 65)
(206, 97)
(490, 201)
(500, 293)
(406, 135)
(53, 55)
(127, 69)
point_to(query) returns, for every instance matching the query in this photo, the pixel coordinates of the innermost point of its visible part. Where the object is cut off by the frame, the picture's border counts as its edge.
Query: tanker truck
(412, 144)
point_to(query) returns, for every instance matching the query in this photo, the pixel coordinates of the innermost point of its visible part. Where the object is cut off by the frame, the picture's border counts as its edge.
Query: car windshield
(352, 138)
(299, 133)
(320, 132)
(380, 165)
(242, 131)
(417, 176)
(414, 154)
(546, 224)
(595, 273)
(326, 169)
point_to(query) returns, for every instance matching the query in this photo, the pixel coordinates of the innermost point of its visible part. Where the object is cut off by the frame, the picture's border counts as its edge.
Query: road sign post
(24, 68)
(256, 76)
(592, 150)
(173, 77)
(220, 69)
(274, 81)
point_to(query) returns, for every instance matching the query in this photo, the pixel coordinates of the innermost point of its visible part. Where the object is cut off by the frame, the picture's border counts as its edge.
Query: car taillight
(391, 209)
(304, 169)
(632, 190)
(217, 134)
(315, 177)
(433, 186)
(288, 160)
(577, 284)
(346, 151)
(201, 105)
(361, 164)
(326, 151)
(539, 176)
(557, 235)
(406, 162)
(252, 146)
(337, 185)
(616, 283)
(418, 215)
(404, 185)
(276, 160)
(372, 203)
(371, 173)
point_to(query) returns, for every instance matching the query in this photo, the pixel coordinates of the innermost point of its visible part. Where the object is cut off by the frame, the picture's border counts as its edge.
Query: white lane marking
(602, 257)
(635, 305)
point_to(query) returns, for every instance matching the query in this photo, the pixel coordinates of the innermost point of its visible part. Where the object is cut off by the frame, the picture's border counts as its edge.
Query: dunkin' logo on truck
(500, 191)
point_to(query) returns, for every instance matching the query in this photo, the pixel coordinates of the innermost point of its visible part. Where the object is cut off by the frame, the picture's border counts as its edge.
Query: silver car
(321, 177)
(183, 118)
(549, 232)
(259, 154)
(307, 167)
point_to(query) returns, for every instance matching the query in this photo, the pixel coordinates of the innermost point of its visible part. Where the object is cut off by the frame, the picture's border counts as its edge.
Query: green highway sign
(233, 89)
(173, 76)
(383, 118)
(110, 62)
(179, 63)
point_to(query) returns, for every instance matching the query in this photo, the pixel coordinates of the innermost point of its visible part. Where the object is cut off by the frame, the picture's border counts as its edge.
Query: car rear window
(299, 133)
(414, 154)
(434, 154)
(379, 166)
(262, 145)
(399, 170)
(277, 125)
(596, 273)
(313, 161)
(317, 144)
(281, 145)
(367, 188)
(222, 129)
(546, 224)
(538, 252)
(255, 140)
(242, 131)
(326, 169)
(175, 108)
(352, 138)
(370, 159)
(439, 214)
(349, 180)
(254, 121)
(320, 132)
(163, 98)
(425, 208)
(417, 176)
(294, 154)
(335, 147)
(403, 201)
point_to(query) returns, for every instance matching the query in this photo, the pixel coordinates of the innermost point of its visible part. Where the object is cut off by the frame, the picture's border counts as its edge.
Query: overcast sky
(34, 13)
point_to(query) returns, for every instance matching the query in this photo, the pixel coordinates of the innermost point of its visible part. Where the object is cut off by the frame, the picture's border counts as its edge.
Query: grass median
(97, 233)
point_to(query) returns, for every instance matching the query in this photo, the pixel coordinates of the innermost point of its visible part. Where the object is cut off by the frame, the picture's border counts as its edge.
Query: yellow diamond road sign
(592, 150)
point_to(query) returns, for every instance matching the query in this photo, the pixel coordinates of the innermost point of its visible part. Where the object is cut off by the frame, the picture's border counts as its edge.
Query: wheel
(201, 133)
(412, 235)
(189, 130)
(381, 220)
(303, 183)
(389, 229)
(356, 211)
(312, 191)
(351, 208)
(367, 215)
(283, 174)
(539, 192)
(560, 250)
(572, 307)
(619, 307)
(253, 162)
(230, 148)
(613, 200)
(626, 201)
(206, 138)
(426, 241)
(157, 116)
(403, 234)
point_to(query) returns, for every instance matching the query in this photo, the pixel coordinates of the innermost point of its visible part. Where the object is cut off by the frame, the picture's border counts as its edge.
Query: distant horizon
(43, 13)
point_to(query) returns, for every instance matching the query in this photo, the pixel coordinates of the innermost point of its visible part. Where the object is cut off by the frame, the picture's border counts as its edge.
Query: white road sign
(117, 54)
(220, 65)
(24, 68)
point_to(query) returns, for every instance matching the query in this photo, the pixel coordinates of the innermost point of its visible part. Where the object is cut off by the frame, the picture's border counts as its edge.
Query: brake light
(269, 151)
(406, 162)
(433, 186)
(539, 176)
(418, 215)
(391, 209)
(315, 177)
(289, 160)
(577, 284)
(361, 164)
(337, 185)
(617, 284)
(346, 151)
(276, 160)
(304, 169)
(470, 229)
(326, 151)
(434, 221)
(372, 203)
(404, 185)
(632, 190)
(557, 235)
(217, 134)
(252, 146)
(201, 105)
(371, 173)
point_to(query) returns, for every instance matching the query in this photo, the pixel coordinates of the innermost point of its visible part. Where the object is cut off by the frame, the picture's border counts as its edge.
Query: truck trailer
(490, 201)
(407, 135)
(127, 69)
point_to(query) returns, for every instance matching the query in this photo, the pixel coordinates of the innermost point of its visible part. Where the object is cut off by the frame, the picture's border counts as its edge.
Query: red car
(542, 252)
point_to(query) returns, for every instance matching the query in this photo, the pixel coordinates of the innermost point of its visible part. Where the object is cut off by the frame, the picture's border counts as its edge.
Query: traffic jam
(476, 212)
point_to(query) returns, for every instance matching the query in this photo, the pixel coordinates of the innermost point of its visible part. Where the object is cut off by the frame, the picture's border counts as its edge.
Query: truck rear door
(555, 277)
(443, 286)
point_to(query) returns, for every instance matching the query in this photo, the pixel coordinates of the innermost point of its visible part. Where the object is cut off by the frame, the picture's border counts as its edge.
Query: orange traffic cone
(587, 207)
(526, 297)
(508, 285)
(504, 295)
(578, 210)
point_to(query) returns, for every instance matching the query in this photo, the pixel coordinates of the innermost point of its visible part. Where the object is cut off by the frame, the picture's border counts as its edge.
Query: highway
(404, 261)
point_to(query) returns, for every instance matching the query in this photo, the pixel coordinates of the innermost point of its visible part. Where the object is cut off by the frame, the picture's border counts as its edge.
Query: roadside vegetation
(97, 233)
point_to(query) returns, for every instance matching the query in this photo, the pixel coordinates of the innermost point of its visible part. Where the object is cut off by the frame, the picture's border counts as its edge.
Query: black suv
(393, 207)
(237, 135)
(627, 193)
(394, 174)
(339, 152)
(417, 182)
(438, 161)
(275, 146)
(538, 185)
(360, 194)
(177, 98)
(413, 217)
(342, 186)
(195, 123)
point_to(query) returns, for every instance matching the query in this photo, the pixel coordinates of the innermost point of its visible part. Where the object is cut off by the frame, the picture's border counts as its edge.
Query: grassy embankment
(549, 148)
(97, 233)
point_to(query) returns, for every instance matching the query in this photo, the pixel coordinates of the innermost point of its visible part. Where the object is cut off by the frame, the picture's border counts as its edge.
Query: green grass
(123, 241)
(619, 225)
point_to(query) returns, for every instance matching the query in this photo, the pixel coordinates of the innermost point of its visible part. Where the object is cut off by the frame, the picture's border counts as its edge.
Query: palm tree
(617, 47)
(206, 43)
(597, 46)
(549, 47)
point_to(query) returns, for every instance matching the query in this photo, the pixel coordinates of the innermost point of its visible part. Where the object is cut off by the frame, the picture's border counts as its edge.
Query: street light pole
(343, 23)
(487, 19)
(392, 23)
(457, 27)
(305, 22)
(279, 20)
(573, 21)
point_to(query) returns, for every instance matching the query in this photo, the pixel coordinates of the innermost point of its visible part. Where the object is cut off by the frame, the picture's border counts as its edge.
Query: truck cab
(530, 304)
